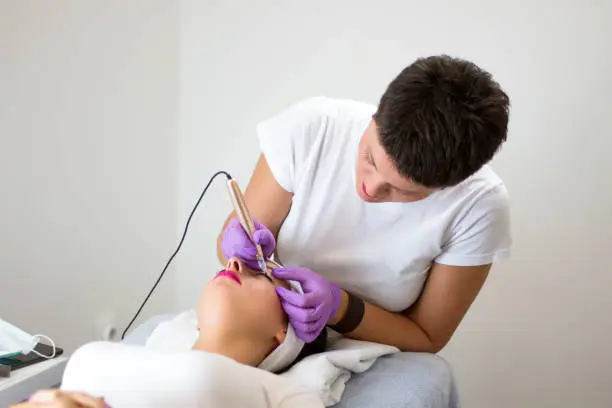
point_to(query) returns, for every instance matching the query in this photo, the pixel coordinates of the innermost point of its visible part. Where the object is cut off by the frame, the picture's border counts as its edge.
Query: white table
(25, 381)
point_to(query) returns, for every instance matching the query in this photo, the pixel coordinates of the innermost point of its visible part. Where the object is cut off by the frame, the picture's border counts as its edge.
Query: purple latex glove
(236, 243)
(310, 312)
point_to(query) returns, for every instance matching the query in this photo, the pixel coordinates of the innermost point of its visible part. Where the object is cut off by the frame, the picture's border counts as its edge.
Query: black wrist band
(352, 317)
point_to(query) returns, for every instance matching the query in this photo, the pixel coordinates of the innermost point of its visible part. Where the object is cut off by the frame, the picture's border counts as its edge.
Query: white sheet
(130, 376)
(410, 380)
(177, 334)
(325, 374)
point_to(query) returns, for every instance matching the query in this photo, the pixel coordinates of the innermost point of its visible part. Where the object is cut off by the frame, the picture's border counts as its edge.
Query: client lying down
(243, 338)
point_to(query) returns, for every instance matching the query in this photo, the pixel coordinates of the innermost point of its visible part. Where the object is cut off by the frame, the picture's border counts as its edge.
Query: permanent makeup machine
(242, 212)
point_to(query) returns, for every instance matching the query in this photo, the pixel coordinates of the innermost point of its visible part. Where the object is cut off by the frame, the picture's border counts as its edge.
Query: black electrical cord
(177, 248)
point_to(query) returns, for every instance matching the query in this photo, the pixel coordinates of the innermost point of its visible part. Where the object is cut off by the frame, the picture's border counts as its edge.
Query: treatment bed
(400, 380)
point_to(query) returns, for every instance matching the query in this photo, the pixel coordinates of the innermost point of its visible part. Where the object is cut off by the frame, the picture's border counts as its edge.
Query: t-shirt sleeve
(285, 139)
(483, 234)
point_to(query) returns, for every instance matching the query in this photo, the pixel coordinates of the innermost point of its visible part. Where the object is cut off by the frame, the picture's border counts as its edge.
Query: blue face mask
(14, 341)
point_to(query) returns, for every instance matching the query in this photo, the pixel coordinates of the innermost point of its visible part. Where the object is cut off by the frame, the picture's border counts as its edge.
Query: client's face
(242, 301)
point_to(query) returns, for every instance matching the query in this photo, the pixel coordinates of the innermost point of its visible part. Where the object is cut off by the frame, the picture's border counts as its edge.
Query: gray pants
(403, 380)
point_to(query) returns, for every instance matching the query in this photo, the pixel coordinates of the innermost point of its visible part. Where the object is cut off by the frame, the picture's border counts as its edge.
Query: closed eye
(371, 159)
(274, 282)
(266, 276)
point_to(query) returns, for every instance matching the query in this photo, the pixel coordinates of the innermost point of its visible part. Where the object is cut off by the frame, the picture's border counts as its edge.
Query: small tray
(23, 360)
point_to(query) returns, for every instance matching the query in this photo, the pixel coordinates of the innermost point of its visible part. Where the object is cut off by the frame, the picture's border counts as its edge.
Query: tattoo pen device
(245, 219)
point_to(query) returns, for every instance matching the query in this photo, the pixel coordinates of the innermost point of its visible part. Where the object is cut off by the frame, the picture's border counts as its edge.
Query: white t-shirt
(130, 376)
(381, 252)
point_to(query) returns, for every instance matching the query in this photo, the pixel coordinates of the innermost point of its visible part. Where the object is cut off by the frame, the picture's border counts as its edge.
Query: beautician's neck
(237, 348)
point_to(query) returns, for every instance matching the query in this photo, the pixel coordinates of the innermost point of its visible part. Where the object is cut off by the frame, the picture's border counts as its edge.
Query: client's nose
(234, 265)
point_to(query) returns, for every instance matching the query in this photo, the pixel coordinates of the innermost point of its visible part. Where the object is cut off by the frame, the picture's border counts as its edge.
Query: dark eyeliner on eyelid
(267, 277)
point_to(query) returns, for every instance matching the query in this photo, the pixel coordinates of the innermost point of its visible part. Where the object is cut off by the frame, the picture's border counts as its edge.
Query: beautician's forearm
(394, 329)
(220, 254)
(431, 321)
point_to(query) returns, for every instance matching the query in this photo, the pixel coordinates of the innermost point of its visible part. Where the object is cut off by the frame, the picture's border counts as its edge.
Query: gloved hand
(310, 312)
(236, 242)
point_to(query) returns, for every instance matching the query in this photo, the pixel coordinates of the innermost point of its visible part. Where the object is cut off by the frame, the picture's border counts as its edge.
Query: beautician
(389, 215)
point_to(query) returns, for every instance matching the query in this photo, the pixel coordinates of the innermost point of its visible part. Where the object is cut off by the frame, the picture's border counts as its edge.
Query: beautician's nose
(377, 187)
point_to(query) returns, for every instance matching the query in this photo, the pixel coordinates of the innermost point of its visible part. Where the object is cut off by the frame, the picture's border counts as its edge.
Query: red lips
(229, 274)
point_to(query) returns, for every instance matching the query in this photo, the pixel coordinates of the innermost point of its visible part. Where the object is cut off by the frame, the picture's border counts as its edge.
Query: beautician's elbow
(420, 344)
(424, 347)
(434, 344)
(435, 348)
(428, 347)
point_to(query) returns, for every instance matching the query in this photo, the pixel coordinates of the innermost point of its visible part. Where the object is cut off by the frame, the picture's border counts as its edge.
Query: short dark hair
(318, 345)
(441, 119)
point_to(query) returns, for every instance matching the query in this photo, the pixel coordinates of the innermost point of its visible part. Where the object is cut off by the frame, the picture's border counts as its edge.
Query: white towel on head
(289, 349)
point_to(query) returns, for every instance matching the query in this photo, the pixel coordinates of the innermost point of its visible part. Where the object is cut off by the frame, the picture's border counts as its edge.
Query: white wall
(88, 161)
(114, 114)
(538, 335)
